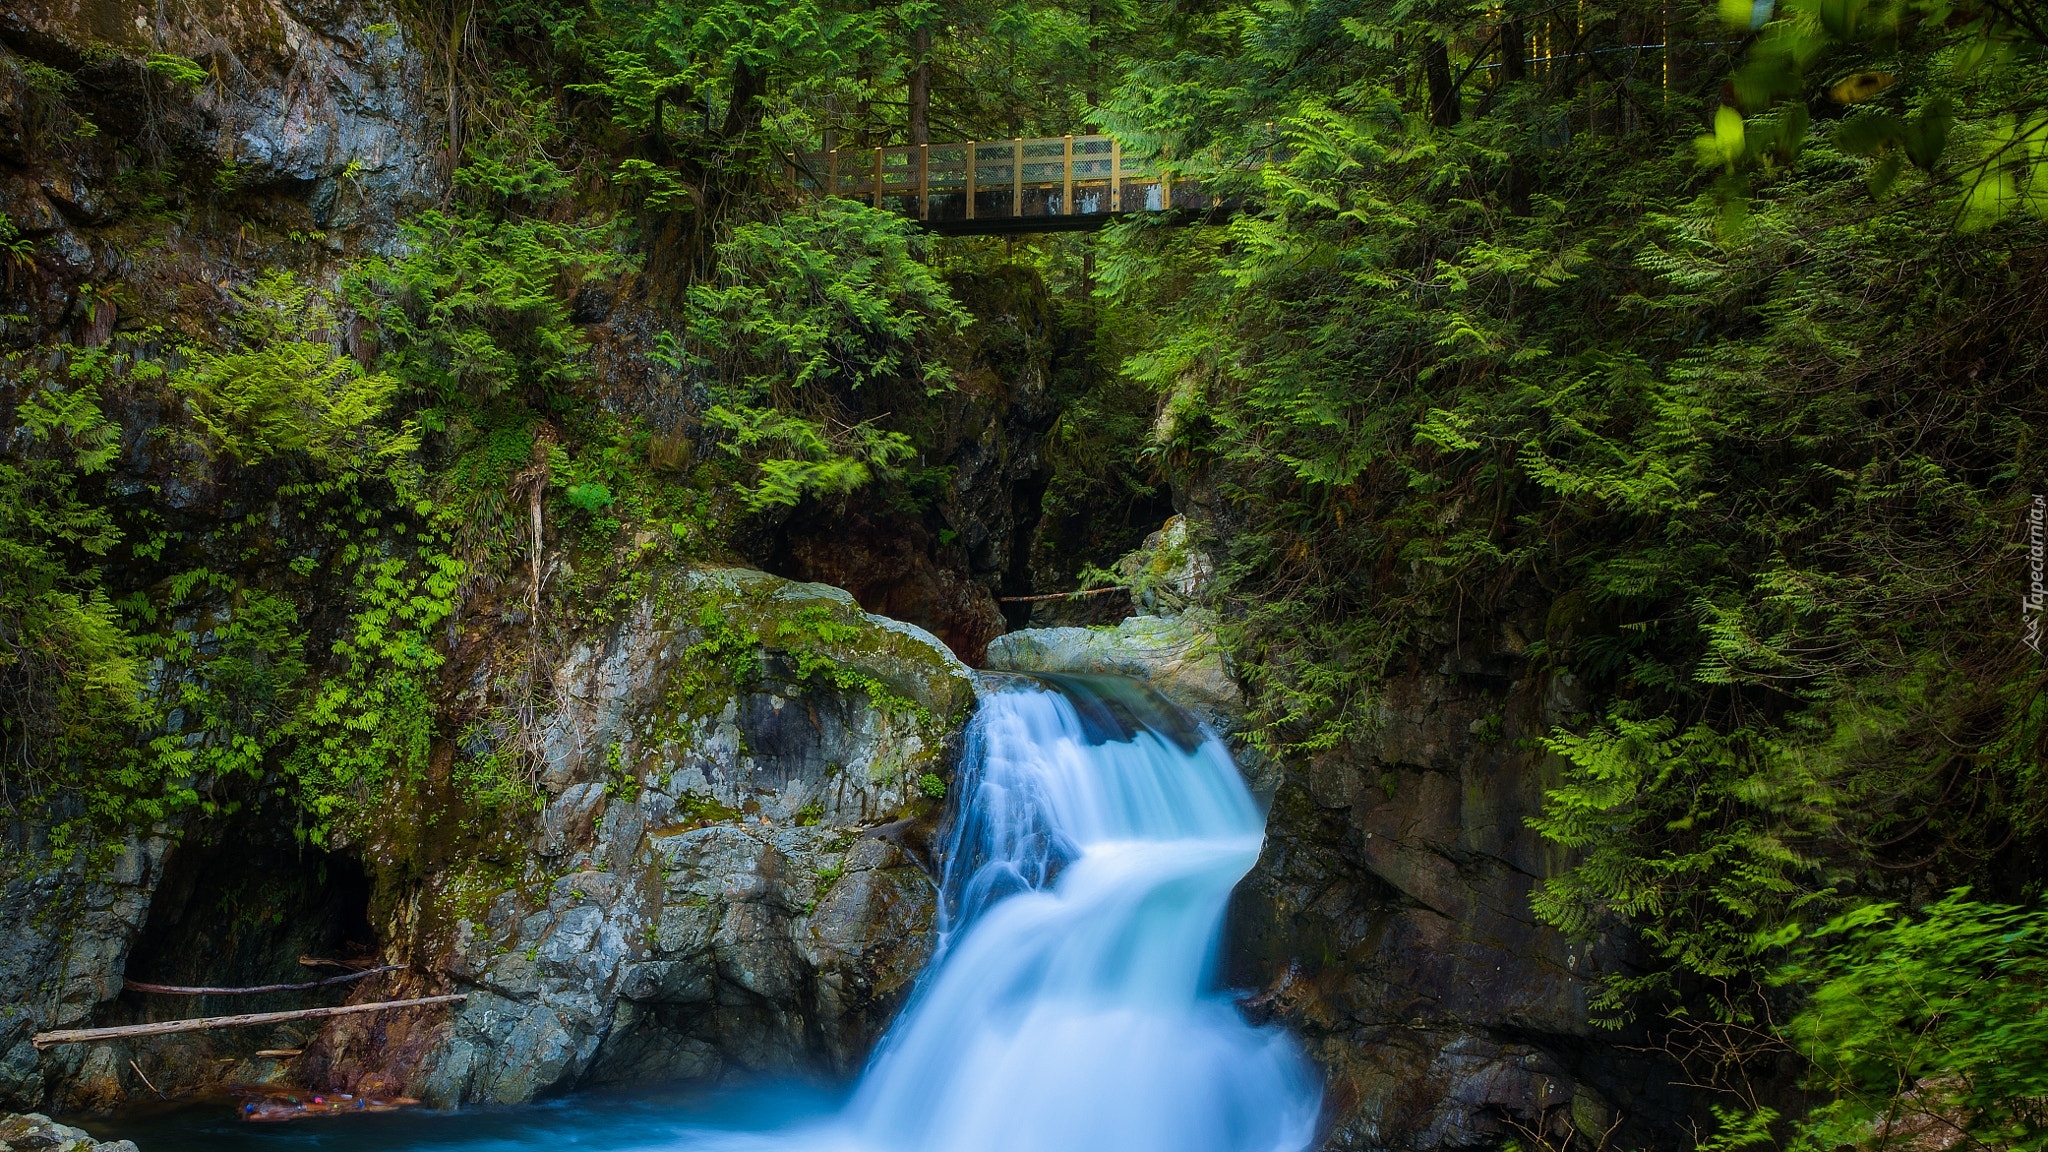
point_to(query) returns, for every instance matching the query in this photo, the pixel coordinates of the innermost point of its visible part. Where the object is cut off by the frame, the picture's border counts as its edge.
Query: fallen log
(206, 1023)
(356, 965)
(181, 990)
(1061, 595)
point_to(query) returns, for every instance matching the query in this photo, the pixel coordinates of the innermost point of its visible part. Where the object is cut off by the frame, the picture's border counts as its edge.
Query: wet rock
(35, 1132)
(307, 93)
(1174, 648)
(1388, 924)
(1180, 656)
(1168, 573)
(66, 929)
(24, 204)
(75, 197)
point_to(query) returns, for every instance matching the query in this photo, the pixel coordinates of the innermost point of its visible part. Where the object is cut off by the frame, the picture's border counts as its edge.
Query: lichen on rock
(727, 871)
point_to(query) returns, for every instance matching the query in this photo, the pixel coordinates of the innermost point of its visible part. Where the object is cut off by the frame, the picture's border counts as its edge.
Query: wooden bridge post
(1067, 175)
(1165, 181)
(1017, 177)
(924, 181)
(1116, 176)
(973, 150)
(878, 177)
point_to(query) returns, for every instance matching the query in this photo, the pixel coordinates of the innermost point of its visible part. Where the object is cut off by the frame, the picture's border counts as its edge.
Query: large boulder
(727, 874)
(1180, 656)
(1175, 648)
(706, 855)
(1388, 924)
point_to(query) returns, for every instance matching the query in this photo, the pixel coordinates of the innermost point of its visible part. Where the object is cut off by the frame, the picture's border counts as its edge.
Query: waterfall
(1073, 1005)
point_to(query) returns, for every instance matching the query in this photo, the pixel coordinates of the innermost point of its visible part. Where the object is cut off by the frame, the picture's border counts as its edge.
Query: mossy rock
(907, 663)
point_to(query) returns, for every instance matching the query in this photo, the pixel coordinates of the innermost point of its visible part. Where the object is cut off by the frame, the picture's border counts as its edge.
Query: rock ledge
(35, 1132)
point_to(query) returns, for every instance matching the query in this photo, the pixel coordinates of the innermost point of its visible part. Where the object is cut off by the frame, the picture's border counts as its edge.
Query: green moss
(705, 810)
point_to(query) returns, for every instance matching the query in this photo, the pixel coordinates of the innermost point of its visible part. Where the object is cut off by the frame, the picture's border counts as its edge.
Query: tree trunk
(744, 114)
(1515, 67)
(1092, 94)
(207, 1023)
(1443, 93)
(921, 85)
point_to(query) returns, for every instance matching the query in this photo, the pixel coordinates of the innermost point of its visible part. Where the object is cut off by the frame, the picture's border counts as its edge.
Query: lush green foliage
(1713, 406)
(478, 306)
(808, 309)
(70, 675)
(287, 390)
(1693, 366)
(1927, 1026)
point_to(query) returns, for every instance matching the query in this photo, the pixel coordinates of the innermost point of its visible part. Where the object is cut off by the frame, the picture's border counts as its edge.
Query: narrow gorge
(1023, 577)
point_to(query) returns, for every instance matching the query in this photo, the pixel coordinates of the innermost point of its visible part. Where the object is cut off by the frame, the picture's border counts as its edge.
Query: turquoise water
(624, 1121)
(1072, 1005)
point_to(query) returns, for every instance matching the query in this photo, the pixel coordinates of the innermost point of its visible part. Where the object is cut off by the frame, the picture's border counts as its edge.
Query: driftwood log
(206, 1023)
(181, 990)
(1061, 595)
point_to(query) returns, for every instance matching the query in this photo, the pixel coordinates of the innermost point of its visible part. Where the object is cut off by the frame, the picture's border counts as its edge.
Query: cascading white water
(1073, 1004)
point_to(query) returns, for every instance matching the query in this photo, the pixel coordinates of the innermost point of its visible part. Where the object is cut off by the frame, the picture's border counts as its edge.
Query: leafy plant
(1926, 1025)
(70, 674)
(809, 309)
(478, 306)
(286, 389)
(177, 69)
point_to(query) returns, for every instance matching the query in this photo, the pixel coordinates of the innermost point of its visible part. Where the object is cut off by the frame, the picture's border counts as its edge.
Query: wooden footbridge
(992, 187)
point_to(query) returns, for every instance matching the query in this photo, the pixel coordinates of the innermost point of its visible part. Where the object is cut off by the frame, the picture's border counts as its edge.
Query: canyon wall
(706, 878)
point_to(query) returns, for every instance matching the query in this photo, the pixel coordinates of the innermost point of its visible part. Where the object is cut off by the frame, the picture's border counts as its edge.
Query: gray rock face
(1175, 649)
(720, 879)
(65, 933)
(1388, 923)
(1177, 655)
(726, 873)
(301, 90)
(35, 1132)
(1168, 573)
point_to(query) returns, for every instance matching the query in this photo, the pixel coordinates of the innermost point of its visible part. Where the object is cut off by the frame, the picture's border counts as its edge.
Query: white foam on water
(1073, 1004)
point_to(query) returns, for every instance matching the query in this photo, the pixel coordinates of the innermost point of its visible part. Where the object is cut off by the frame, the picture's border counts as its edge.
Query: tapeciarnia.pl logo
(2036, 597)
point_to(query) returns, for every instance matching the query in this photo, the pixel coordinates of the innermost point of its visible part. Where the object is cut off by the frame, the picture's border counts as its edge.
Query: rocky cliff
(1387, 922)
(668, 819)
(671, 821)
(725, 880)
(725, 874)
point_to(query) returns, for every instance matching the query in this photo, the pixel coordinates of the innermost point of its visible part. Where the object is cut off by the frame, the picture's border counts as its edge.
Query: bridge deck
(982, 187)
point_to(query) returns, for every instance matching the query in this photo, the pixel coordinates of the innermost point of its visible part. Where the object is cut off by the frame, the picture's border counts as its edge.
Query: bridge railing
(989, 180)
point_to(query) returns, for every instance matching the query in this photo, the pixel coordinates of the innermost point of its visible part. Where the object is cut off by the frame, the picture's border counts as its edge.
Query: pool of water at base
(672, 1118)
